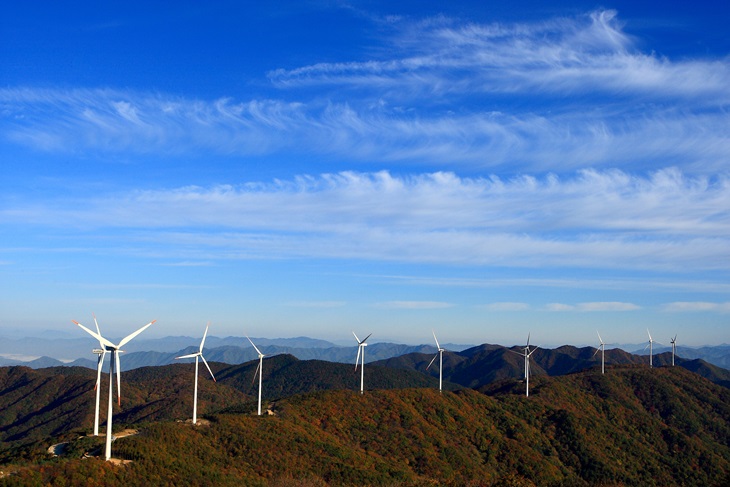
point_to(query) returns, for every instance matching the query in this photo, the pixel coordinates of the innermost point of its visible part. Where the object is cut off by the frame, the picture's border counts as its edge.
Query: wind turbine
(526, 354)
(114, 349)
(100, 353)
(440, 355)
(602, 347)
(196, 355)
(361, 353)
(650, 346)
(674, 348)
(259, 370)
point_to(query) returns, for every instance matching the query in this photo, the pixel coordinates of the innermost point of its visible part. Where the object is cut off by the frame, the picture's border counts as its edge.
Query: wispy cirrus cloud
(133, 123)
(447, 92)
(589, 53)
(665, 220)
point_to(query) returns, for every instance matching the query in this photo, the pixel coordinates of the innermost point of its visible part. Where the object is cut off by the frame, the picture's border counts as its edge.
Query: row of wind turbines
(114, 364)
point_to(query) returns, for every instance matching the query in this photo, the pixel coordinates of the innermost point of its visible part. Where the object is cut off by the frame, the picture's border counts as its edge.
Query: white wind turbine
(440, 355)
(259, 371)
(100, 353)
(361, 353)
(602, 347)
(196, 355)
(650, 346)
(113, 364)
(674, 348)
(526, 354)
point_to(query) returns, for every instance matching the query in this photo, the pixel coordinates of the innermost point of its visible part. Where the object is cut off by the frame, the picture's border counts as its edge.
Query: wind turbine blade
(255, 373)
(98, 331)
(431, 362)
(356, 338)
(119, 378)
(674, 339)
(533, 350)
(436, 339)
(357, 359)
(204, 335)
(516, 353)
(647, 332)
(594, 353)
(599, 337)
(528, 339)
(208, 367)
(103, 341)
(254, 346)
(192, 355)
(366, 338)
(127, 338)
(647, 346)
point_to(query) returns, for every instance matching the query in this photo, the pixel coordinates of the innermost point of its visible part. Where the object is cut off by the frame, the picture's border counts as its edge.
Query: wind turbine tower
(100, 353)
(526, 354)
(440, 355)
(259, 371)
(602, 347)
(197, 355)
(650, 345)
(114, 349)
(674, 348)
(361, 353)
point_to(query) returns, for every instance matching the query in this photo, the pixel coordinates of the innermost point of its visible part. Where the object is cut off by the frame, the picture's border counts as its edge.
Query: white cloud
(559, 307)
(599, 103)
(594, 306)
(611, 219)
(696, 306)
(607, 306)
(316, 304)
(585, 54)
(563, 140)
(188, 263)
(414, 305)
(506, 306)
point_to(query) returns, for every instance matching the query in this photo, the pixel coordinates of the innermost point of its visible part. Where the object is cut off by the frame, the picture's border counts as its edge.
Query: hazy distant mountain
(222, 350)
(237, 350)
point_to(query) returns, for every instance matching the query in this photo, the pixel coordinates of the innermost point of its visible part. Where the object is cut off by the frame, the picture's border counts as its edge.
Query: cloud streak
(696, 306)
(665, 220)
(593, 307)
(571, 55)
(414, 305)
(561, 94)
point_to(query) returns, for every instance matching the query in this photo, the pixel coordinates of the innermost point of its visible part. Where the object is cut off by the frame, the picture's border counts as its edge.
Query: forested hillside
(478, 366)
(634, 426)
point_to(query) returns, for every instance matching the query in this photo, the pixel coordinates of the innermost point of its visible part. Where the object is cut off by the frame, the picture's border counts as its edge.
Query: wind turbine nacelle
(97, 351)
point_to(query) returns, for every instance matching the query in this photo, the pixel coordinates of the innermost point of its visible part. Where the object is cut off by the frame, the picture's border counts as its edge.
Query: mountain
(478, 366)
(634, 426)
(36, 404)
(230, 350)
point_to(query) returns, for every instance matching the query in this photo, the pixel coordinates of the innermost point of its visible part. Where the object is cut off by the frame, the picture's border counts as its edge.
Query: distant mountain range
(236, 350)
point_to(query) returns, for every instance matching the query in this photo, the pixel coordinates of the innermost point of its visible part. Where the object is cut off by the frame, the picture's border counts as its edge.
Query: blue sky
(311, 168)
